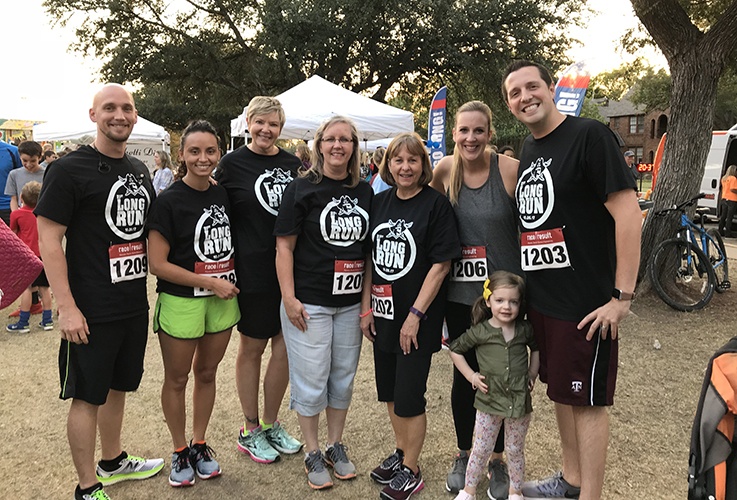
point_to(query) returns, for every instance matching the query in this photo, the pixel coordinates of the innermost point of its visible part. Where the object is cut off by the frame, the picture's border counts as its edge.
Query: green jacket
(504, 366)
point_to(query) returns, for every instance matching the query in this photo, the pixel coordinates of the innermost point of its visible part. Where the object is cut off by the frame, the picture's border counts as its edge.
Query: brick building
(636, 131)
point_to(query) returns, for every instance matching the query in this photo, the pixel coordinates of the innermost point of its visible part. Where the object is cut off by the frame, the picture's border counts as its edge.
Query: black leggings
(725, 218)
(462, 395)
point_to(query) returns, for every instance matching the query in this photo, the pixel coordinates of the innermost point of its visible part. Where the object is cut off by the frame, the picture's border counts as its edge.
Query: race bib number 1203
(544, 249)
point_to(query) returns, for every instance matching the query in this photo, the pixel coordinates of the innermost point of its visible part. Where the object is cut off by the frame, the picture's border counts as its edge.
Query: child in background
(504, 380)
(23, 223)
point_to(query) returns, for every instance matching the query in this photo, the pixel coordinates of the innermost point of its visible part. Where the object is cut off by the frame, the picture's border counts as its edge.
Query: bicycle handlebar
(681, 206)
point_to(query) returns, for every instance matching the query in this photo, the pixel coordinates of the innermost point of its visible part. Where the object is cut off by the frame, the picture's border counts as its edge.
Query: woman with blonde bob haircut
(255, 176)
(480, 185)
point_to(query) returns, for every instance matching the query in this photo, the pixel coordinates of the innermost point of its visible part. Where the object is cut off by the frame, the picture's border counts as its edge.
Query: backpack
(712, 464)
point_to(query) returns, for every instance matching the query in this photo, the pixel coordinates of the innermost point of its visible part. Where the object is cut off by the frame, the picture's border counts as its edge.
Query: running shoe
(182, 473)
(97, 494)
(201, 458)
(551, 487)
(456, 480)
(390, 467)
(130, 468)
(46, 325)
(281, 440)
(18, 328)
(405, 484)
(318, 476)
(336, 457)
(516, 496)
(257, 446)
(498, 480)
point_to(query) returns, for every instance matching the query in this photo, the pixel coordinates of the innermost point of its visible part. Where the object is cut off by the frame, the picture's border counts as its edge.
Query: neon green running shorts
(191, 318)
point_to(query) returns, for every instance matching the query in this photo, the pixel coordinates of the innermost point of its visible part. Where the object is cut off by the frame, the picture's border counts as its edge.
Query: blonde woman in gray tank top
(480, 185)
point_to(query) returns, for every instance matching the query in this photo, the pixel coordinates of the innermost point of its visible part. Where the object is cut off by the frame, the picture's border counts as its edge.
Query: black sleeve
(443, 243)
(291, 213)
(160, 217)
(59, 198)
(606, 169)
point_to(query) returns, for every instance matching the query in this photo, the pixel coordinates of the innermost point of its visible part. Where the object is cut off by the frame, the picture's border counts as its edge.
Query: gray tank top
(487, 217)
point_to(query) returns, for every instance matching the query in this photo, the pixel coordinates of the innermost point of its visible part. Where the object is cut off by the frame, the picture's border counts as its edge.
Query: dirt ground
(650, 422)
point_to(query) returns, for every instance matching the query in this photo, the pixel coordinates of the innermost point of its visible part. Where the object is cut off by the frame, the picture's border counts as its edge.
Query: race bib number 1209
(128, 261)
(544, 249)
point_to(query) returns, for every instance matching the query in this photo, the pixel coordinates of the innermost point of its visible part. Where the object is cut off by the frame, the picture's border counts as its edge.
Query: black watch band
(620, 295)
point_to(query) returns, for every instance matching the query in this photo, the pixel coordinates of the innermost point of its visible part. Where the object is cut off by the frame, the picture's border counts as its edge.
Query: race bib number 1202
(348, 277)
(544, 249)
(382, 301)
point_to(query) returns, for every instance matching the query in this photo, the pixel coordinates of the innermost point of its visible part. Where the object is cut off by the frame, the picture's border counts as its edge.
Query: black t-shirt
(197, 226)
(331, 222)
(408, 237)
(564, 180)
(104, 203)
(255, 185)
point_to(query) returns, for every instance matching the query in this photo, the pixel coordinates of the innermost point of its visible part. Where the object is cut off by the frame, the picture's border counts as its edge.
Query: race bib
(224, 269)
(382, 301)
(471, 266)
(128, 261)
(544, 250)
(348, 277)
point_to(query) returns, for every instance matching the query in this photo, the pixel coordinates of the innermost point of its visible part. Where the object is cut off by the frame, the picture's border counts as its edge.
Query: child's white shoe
(516, 496)
(462, 495)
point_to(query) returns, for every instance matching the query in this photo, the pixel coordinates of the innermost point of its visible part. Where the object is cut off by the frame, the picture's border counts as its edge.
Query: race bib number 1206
(128, 261)
(544, 249)
(471, 266)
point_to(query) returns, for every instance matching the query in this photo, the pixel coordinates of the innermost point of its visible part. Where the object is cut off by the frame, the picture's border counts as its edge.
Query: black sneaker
(390, 467)
(97, 493)
(404, 485)
(457, 476)
(498, 480)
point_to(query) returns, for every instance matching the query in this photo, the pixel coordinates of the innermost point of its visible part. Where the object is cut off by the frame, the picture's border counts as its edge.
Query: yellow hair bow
(487, 292)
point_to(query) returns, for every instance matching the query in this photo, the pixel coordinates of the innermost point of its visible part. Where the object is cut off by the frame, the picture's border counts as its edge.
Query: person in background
(48, 157)
(164, 172)
(191, 253)
(23, 223)
(303, 153)
(507, 151)
(30, 155)
(729, 201)
(629, 158)
(9, 161)
(255, 177)
(321, 245)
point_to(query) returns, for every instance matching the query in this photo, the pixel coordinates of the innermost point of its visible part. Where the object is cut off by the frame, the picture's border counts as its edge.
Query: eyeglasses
(333, 140)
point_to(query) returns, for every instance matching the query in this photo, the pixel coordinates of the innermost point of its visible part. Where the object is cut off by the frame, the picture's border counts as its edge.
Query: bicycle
(688, 269)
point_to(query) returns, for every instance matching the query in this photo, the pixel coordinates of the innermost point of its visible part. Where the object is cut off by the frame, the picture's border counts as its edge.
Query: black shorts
(578, 372)
(42, 280)
(259, 315)
(403, 380)
(113, 359)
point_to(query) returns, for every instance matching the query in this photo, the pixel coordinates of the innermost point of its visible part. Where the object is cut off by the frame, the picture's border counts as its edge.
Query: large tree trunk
(696, 61)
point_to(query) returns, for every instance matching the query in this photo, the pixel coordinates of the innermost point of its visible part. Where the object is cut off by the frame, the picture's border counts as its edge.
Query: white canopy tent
(313, 101)
(146, 138)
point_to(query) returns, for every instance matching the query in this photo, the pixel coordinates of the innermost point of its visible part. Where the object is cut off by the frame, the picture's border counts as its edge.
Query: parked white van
(722, 153)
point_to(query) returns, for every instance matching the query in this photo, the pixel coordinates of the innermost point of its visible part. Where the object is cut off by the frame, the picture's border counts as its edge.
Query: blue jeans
(322, 360)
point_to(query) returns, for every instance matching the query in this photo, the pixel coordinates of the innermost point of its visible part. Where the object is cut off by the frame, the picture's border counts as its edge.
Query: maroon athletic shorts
(578, 372)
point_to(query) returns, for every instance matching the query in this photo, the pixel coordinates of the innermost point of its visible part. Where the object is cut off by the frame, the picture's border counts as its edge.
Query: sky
(66, 81)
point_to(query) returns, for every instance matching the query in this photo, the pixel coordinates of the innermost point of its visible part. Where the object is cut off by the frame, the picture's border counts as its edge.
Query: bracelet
(366, 313)
(417, 312)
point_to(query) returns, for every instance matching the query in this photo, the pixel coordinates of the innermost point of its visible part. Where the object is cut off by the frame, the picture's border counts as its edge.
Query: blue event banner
(436, 127)
(570, 91)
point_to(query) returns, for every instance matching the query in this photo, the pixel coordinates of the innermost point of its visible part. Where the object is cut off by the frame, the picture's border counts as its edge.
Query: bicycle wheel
(682, 275)
(717, 254)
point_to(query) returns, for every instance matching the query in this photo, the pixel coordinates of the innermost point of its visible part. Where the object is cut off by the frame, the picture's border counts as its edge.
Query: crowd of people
(530, 264)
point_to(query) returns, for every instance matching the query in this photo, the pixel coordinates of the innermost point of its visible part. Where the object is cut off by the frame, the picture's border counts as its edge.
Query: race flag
(571, 89)
(436, 127)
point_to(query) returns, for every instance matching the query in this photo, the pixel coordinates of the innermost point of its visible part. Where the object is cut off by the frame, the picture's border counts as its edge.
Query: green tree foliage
(209, 57)
(653, 90)
(615, 83)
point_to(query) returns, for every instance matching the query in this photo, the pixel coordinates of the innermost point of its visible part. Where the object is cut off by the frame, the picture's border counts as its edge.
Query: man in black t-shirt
(98, 198)
(580, 250)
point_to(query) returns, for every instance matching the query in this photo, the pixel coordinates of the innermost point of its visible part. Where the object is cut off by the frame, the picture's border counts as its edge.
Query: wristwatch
(620, 295)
